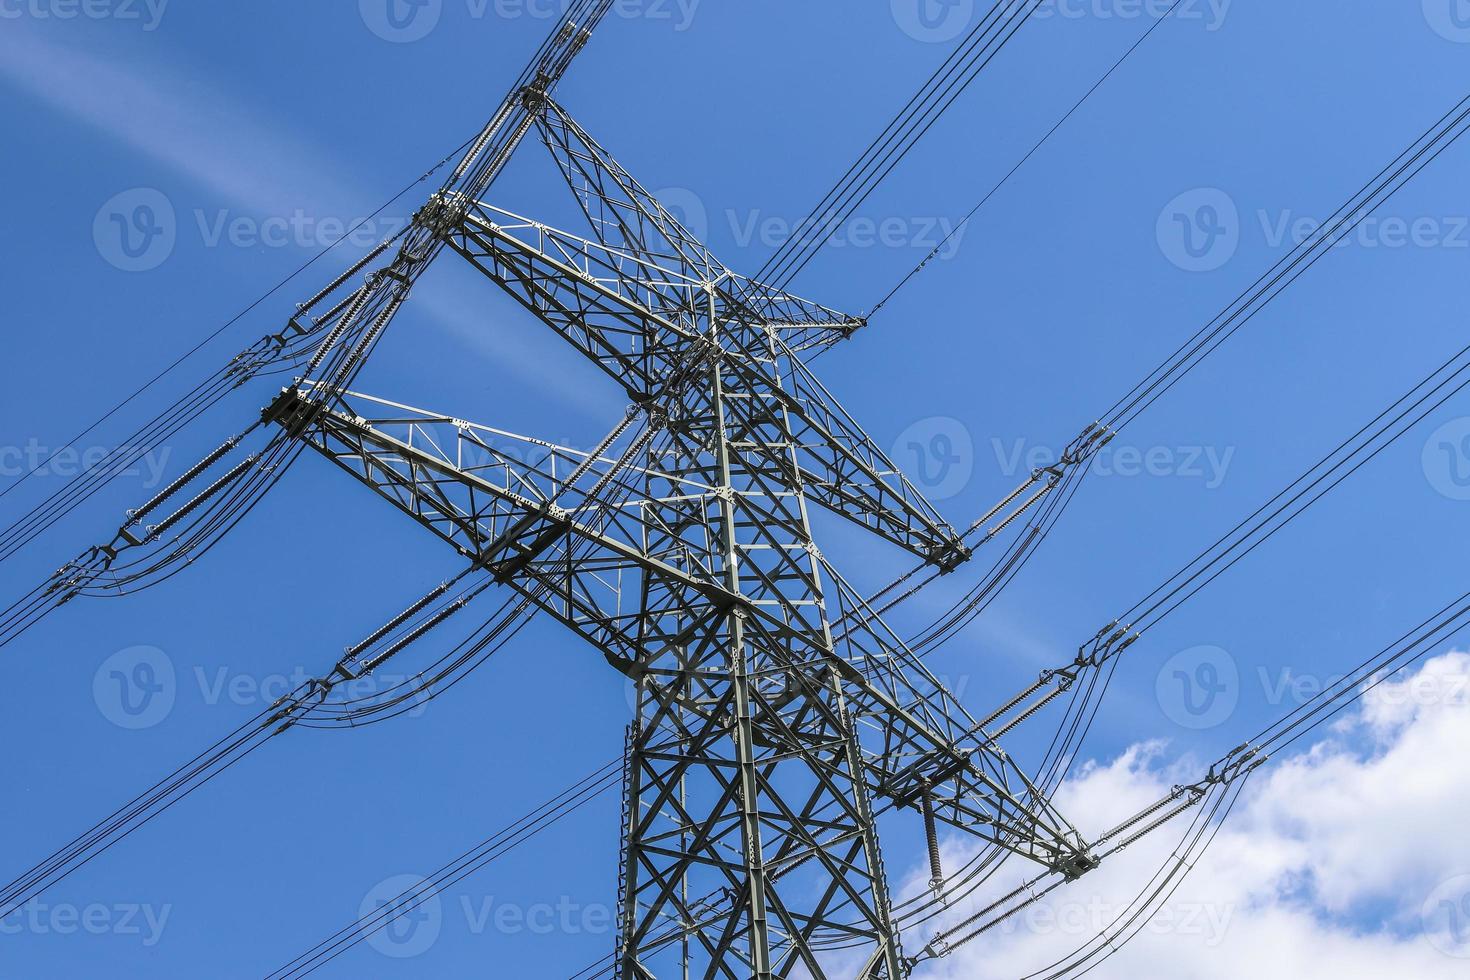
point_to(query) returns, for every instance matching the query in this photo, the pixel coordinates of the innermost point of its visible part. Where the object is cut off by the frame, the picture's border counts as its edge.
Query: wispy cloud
(219, 144)
(178, 122)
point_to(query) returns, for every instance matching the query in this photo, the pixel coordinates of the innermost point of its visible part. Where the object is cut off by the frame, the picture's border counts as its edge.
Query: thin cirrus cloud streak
(219, 145)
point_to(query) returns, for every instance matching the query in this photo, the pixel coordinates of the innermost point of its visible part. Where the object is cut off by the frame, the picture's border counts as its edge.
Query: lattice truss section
(682, 550)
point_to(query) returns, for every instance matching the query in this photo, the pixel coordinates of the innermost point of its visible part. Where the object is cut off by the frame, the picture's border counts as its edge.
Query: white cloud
(1348, 859)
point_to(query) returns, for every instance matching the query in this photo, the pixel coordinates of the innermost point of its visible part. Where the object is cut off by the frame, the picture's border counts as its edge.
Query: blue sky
(252, 132)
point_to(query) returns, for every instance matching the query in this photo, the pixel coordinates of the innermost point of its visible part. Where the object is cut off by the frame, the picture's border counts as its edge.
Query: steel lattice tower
(775, 713)
(778, 718)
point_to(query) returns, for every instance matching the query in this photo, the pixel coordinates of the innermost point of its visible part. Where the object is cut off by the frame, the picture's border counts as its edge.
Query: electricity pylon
(769, 732)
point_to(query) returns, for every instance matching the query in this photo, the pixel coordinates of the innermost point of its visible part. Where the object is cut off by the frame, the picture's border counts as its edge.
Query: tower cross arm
(507, 504)
(524, 511)
(643, 325)
(625, 216)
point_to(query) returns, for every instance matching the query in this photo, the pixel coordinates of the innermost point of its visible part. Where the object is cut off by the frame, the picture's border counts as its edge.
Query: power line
(246, 311)
(949, 236)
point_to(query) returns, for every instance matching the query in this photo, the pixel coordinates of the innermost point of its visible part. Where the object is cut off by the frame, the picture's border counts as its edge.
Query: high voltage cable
(1158, 604)
(225, 753)
(1424, 151)
(1265, 522)
(1081, 713)
(178, 415)
(255, 360)
(889, 148)
(1129, 841)
(1454, 618)
(1347, 218)
(172, 419)
(1376, 670)
(1434, 390)
(933, 253)
(491, 849)
(1380, 668)
(128, 818)
(247, 310)
(237, 501)
(1368, 199)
